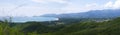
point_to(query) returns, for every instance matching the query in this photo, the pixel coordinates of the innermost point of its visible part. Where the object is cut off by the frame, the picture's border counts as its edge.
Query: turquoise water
(38, 19)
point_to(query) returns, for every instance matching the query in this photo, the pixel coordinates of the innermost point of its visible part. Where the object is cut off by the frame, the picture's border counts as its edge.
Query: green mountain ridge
(111, 27)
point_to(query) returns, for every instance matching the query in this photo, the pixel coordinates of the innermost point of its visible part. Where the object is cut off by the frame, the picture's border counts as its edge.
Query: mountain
(111, 27)
(90, 14)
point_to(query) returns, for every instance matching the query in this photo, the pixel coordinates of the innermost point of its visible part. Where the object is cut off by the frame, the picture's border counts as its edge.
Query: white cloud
(109, 4)
(113, 5)
(47, 1)
(69, 7)
(91, 6)
(40, 1)
(40, 10)
(75, 8)
(59, 1)
(117, 4)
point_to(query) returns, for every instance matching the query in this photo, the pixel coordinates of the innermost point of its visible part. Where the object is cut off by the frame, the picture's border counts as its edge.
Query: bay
(37, 19)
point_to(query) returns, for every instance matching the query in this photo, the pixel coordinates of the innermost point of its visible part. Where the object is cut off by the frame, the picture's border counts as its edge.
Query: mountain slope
(89, 14)
(111, 27)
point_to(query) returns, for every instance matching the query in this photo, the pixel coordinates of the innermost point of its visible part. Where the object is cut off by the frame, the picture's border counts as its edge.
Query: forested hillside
(87, 27)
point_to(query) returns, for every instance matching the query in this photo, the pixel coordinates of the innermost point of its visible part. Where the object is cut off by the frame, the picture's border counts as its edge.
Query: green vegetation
(62, 27)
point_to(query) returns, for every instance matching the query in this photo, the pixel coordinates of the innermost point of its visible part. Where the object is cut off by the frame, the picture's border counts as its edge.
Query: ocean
(26, 19)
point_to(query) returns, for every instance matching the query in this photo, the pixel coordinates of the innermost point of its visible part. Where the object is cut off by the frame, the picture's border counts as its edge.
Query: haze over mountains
(109, 13)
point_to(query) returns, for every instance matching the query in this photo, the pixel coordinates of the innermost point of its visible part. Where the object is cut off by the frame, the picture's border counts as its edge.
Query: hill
(111, 27)
(90, 14)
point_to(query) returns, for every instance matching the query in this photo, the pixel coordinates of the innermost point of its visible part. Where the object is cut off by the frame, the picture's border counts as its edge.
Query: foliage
(77, 27)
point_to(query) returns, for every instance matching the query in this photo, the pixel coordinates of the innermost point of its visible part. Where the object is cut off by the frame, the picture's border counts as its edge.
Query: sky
(40, 7)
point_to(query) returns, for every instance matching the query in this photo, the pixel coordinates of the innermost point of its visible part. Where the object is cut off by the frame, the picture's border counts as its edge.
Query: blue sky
(41, 7)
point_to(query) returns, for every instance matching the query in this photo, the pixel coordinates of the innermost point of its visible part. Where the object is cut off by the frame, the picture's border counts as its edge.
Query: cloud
(76, 8)
(117, 4)
(109, 4)
(40, 1)
(113, 5)
(47, 1)
(54, 7)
